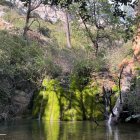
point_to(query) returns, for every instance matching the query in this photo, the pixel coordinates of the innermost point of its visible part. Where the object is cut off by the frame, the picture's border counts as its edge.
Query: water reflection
(51, 130)
(112, 132)
(34, 130)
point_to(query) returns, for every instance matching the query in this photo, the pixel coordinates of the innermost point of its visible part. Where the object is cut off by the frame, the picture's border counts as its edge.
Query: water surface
(33, 130)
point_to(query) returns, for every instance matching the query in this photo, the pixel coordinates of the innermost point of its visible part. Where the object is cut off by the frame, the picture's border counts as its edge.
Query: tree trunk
(120, 77)
(67, 29)
(94, 41)
(27, 20)
(125, 88)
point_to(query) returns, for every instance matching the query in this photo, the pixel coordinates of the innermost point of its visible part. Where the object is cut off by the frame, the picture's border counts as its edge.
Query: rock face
(49, 13)
(21, 101)
(3, 24)
(16, 107)
(125, 88)
(15, 98)
(127, 77)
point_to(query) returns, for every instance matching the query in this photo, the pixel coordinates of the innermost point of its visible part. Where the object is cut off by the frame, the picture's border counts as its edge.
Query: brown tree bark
(30, 7)
(27, 19)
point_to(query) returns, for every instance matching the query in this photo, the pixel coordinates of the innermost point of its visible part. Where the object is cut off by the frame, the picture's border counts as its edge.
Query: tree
(96, 13)
(99, 22)
(31, 6)
(117, 3)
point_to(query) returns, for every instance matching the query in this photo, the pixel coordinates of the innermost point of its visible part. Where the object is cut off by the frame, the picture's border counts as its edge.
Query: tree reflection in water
(86, 130)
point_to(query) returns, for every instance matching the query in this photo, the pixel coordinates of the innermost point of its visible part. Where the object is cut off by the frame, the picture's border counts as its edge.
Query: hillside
(42, 78)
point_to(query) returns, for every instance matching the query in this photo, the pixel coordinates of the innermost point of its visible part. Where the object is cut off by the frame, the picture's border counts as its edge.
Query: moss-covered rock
(52, 103)
(46, 103)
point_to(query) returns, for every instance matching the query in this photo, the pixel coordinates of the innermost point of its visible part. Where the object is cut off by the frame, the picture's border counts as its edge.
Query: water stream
(33, 130)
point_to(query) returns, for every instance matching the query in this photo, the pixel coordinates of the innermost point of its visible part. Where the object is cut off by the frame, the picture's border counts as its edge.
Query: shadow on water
(35, 130)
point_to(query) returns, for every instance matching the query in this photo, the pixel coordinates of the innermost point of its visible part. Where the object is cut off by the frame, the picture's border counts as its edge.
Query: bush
(22, 65)
(44, 31)
(115, 56)
(133, 97)
(18, 56)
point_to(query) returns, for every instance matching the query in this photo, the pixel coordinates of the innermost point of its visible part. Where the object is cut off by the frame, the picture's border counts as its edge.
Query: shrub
(22, 65)
(115, 56)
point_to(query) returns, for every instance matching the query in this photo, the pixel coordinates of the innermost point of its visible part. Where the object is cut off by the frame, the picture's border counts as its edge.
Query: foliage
(101, 27)
(44, 31)
(21, 65)
(29, 62)
(56, 103)
(132, 102)
(117, 6)
(13, 17)
(70, 102)
(18, 56)
(3, 2)
(116, 55)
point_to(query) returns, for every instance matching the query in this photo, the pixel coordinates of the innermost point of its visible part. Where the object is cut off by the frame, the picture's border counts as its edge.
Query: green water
(33, 130)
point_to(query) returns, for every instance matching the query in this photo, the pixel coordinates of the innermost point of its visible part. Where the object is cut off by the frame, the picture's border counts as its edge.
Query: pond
(35, 130)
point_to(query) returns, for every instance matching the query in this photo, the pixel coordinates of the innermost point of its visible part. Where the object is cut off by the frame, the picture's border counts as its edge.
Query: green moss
(37, 104)
(47, 101)
(72, 115)
(52, 108)
(93, 107)
(98, 115)
(56, 105)
(115, 88)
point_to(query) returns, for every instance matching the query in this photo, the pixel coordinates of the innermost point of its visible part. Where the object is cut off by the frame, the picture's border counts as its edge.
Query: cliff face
(50, 13)
(15, 96)
(128, 73)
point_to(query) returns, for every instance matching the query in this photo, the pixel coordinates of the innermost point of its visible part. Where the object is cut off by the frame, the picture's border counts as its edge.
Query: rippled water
(33, 130)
